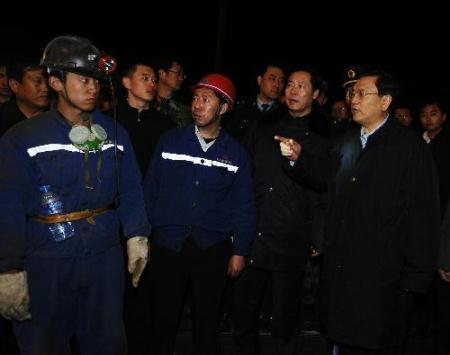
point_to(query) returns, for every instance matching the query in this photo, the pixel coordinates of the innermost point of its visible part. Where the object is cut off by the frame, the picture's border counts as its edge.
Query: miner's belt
(73, 216)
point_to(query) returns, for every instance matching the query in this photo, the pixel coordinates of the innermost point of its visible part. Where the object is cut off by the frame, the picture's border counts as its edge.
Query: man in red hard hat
(199, 193)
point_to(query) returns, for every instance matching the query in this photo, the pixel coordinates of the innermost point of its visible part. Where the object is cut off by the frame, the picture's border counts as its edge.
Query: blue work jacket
(38, 152)
(207, 195)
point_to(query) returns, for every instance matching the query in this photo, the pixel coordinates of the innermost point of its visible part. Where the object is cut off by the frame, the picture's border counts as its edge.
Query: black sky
(411, 43)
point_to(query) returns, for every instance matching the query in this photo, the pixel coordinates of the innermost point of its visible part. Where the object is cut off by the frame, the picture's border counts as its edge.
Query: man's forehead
(430, 107)
(175, 64)
(339, 103)
(144, 69)
(34, 71)
(367, 81)
(274, 71)
(204, 91)
(77, 75)
(300, 76)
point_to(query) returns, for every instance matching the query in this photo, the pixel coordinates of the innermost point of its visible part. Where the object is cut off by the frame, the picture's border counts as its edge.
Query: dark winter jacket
(144, 128)
(286, 195)
(381, 235)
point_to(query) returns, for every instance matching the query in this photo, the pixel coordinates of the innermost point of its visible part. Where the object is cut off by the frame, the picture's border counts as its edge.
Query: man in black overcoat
(382, 228)
(287, 158)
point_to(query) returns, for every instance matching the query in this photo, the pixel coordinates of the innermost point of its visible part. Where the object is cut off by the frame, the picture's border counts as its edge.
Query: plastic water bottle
(52, 204)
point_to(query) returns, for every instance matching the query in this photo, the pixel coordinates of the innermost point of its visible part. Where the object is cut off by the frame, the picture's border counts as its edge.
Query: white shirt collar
(205, 146)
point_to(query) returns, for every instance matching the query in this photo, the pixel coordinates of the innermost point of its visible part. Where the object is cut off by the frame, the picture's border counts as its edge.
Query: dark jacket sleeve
(422, 237)
(152, 180)
(244, 212)
(14, 182)
(312, 168)
(444, 249)
(132, 208)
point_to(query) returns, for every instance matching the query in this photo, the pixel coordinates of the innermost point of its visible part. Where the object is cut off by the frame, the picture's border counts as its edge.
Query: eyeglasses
(178, 73)
(361, 94)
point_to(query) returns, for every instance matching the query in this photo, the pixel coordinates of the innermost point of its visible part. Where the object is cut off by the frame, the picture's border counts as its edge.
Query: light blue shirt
(365, 136)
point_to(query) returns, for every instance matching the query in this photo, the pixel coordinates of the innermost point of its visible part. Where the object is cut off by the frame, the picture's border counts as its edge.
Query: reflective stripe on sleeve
(33, 151)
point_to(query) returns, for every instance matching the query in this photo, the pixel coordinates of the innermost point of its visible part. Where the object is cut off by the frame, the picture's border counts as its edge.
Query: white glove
(137, 250)
(14, 297)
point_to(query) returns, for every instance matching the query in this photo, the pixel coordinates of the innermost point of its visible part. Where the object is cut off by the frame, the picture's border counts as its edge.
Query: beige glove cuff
(14, 296)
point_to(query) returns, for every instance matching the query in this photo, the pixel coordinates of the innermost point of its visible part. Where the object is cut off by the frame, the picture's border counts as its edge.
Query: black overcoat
(381, 234)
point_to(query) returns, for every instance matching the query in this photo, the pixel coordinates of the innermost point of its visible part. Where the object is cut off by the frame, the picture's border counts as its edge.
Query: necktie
(265, 107)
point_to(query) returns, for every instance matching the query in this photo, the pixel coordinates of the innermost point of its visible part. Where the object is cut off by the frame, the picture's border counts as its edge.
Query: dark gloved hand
(14, 297)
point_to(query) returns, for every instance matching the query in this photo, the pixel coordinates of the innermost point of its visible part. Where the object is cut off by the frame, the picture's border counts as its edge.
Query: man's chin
(199, 123)
(42, 103)
(89, 108)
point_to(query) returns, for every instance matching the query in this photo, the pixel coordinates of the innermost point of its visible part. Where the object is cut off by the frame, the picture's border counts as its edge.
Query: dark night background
(411, 42)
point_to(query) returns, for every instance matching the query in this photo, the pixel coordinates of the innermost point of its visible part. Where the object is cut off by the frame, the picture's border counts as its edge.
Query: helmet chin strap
(85, 116)
(71, 103)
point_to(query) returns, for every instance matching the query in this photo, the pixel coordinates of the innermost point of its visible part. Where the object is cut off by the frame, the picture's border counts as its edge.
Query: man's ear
(13, 85)
(386, 101)
(258, 80)
(316, 93)
(55, 83)
(224, 108)
(126, 82)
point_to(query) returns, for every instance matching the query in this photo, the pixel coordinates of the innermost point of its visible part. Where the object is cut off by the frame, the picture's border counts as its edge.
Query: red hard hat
(220, 84)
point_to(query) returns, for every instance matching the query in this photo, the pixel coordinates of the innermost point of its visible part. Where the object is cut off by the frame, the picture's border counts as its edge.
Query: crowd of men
(218, 195)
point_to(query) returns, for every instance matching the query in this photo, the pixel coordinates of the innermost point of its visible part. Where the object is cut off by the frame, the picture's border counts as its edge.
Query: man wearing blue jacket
(200, 203)
(74, 285)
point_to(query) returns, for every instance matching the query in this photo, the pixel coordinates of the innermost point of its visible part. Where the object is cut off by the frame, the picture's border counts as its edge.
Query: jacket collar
(189, 134)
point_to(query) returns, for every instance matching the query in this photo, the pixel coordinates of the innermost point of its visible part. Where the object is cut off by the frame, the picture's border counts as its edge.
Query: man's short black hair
(165, 61)
(129, 68)
(439, 102)
(262, 69)
(316, 81)
(16, 69)
(385, 83)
